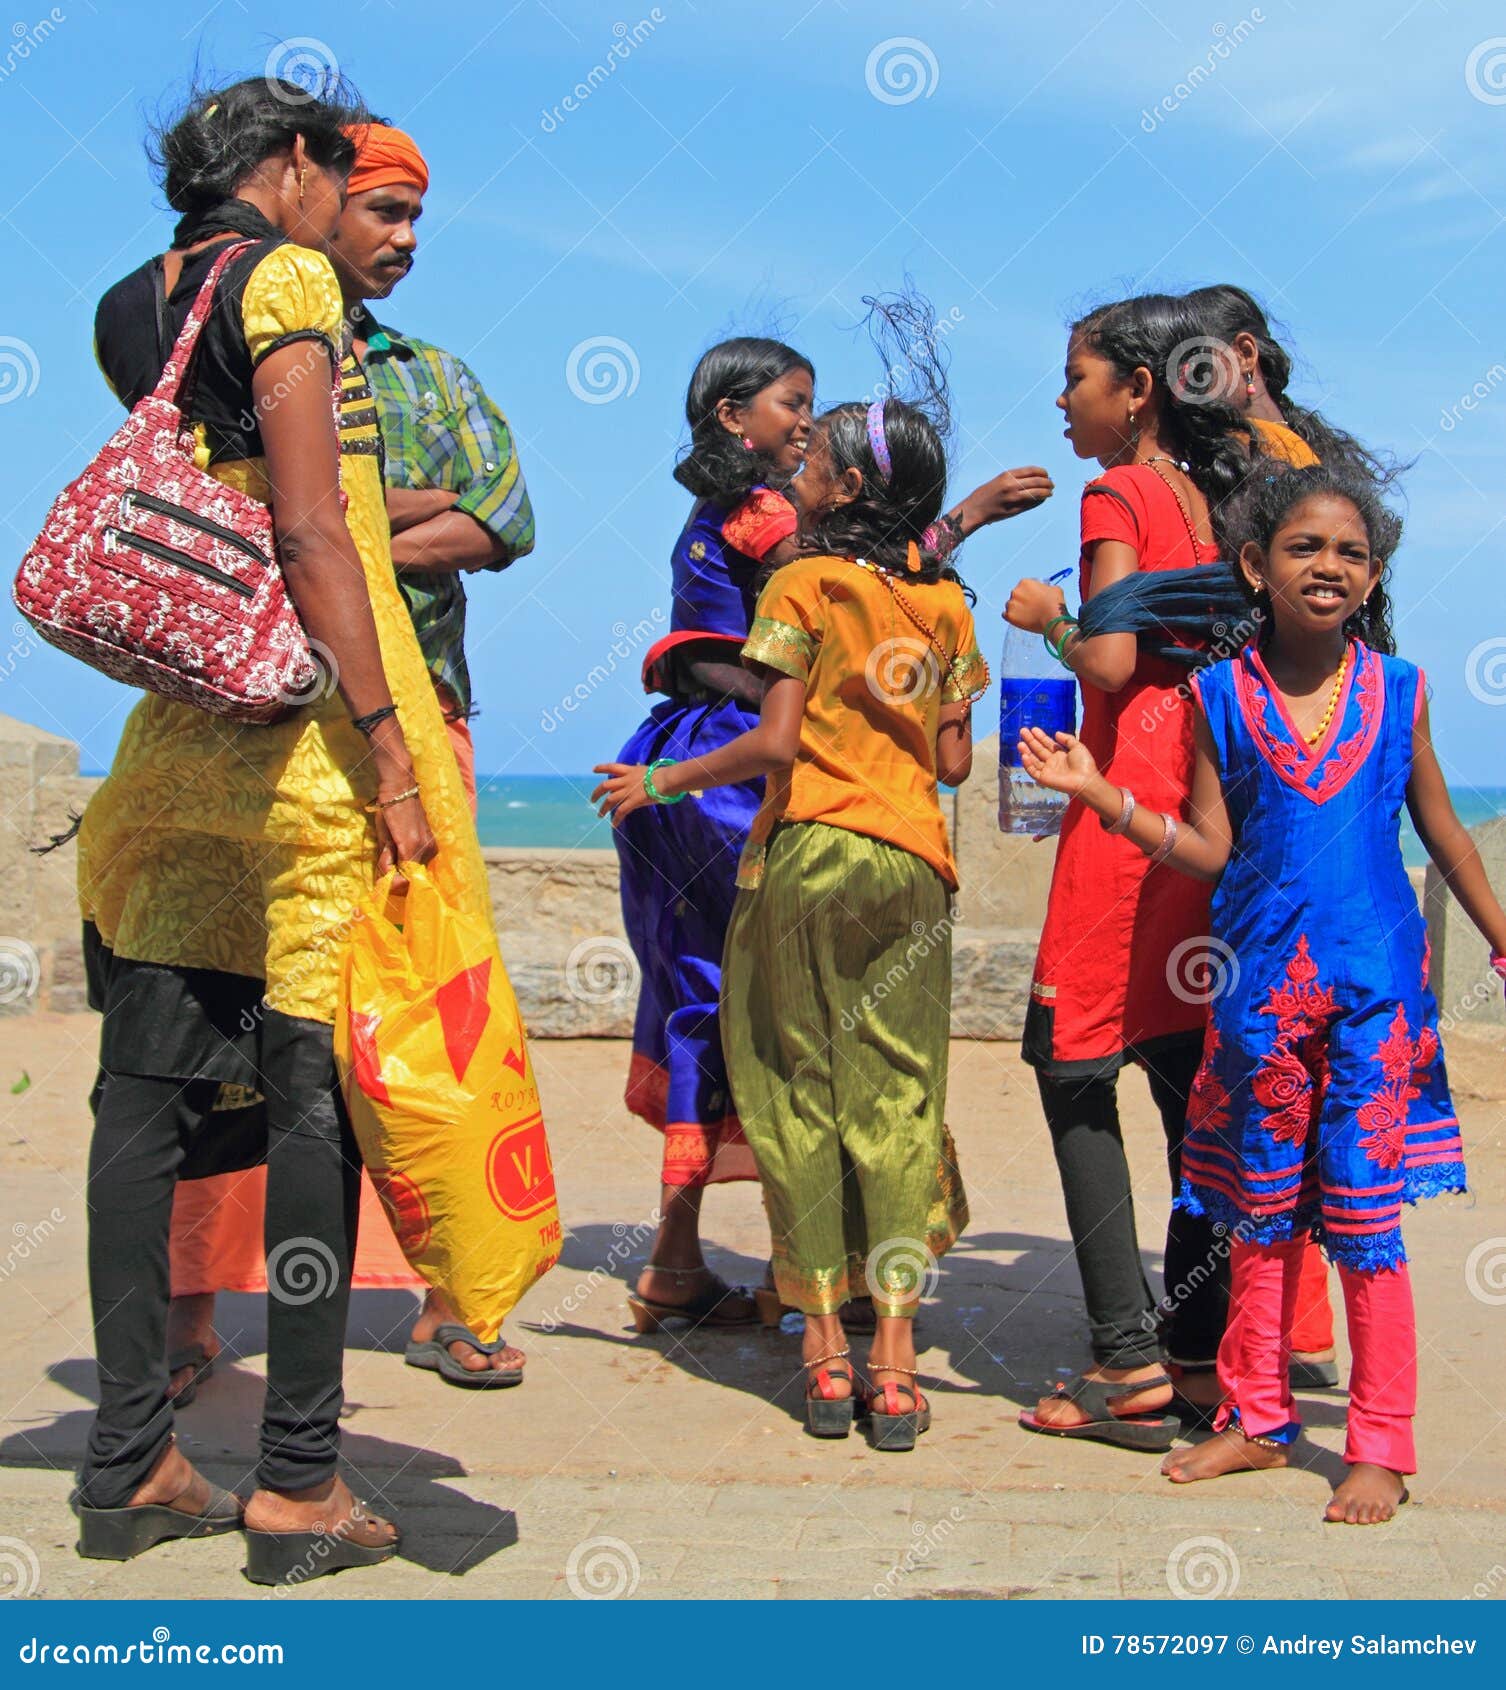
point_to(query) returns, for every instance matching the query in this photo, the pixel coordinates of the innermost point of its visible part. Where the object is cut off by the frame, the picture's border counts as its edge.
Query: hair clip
(211, 109)
(912, 558)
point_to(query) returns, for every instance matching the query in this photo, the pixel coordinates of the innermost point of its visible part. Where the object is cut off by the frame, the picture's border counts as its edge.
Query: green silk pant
(836, 1010)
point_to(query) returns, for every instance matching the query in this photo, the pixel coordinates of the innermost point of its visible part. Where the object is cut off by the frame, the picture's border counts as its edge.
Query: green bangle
(654, 794)
(1058, 651)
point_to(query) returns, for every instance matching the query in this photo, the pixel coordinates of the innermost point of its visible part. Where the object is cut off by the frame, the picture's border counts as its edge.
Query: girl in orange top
(837, 974)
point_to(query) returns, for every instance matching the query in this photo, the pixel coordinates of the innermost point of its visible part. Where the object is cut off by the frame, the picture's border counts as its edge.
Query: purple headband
(876, 439)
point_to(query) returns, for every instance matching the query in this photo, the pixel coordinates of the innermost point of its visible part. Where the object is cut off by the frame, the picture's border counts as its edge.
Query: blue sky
(747, 166)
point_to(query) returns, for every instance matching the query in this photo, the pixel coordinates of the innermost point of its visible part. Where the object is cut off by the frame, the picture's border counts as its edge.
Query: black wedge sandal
(297, 1557)
(121, 1534)
(892, 1427)
(826, 1414)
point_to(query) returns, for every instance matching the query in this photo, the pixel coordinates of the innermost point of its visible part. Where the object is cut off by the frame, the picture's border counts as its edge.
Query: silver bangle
(1126, 810)
(1168, 841)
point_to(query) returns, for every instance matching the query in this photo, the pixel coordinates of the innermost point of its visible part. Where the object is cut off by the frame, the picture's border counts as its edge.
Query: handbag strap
(175, 369)
(170, 382)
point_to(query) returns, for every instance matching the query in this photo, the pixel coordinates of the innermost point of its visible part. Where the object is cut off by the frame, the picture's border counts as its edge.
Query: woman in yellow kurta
(221, 865)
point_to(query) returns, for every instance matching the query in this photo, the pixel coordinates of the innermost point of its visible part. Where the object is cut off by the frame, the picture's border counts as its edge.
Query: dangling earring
(747, 444)
(1134, 427)
(1249, 390)
(303, 171)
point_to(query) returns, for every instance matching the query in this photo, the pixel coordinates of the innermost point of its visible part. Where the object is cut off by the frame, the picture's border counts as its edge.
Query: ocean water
(554, 812)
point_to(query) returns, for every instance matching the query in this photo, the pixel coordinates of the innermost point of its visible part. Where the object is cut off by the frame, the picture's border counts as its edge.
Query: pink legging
(1257, 1345)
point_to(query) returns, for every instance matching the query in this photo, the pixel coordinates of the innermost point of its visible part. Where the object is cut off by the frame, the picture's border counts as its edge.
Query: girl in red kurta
(1123, 970)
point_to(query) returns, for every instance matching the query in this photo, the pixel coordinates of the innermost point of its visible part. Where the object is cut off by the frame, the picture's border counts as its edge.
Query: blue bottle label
(1045, 703)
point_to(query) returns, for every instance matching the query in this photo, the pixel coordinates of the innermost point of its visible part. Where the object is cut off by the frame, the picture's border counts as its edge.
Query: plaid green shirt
(439, 429)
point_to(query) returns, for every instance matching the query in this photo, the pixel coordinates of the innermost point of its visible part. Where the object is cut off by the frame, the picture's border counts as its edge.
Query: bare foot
(680, 1287)
(173, 1483)
(824, 1340)
(190, 1325)
(1057, 1410)
(330, 1508)
(1229, 1451)
(1316, 1356)
(1368, 1497)
(438, 1311)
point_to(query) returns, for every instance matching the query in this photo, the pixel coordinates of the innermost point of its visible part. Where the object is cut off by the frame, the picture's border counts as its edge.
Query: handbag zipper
(189, 519)
(180, 560)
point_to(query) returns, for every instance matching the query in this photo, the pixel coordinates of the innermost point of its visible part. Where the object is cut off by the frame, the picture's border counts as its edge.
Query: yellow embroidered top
(247, 849)
(874, 688)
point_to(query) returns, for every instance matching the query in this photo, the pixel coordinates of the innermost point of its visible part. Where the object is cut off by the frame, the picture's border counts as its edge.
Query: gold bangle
(397, 798)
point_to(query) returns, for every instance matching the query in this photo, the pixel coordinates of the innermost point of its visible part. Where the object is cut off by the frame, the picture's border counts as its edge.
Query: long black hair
(1223, 311)
(1270, 498)
(892, 512)
(1147, 331)
(717, 465)
(218, 136)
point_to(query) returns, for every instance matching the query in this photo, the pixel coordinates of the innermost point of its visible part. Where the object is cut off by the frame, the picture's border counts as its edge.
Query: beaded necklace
(914, 615)
(1150, 464)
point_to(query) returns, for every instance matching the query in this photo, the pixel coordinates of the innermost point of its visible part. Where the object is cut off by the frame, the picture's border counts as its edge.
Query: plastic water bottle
(1035, 691)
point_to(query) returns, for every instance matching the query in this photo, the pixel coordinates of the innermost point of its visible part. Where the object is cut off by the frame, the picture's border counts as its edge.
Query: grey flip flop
(434, 1355)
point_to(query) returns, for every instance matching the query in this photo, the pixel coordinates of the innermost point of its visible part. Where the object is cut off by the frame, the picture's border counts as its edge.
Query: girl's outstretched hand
(622, 791)
(1007, 495)
(1064, 764)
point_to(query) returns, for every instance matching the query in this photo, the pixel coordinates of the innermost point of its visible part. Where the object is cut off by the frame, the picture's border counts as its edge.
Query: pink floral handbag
(152, 571)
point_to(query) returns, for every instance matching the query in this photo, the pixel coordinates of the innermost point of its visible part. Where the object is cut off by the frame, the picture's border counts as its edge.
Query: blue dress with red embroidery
(679, 861)
(1322, 1103)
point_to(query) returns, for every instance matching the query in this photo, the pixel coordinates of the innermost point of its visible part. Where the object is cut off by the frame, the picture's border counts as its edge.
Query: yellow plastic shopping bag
(443, 1099)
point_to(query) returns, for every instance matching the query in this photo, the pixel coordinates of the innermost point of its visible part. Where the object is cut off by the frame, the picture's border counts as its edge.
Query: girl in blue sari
(749, 411)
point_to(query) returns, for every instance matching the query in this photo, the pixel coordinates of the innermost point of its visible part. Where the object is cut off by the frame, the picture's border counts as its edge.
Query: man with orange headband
(455, 493)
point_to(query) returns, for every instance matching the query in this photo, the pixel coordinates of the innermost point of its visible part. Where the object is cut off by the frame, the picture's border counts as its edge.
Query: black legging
(1126, 1326)
(142, 1127)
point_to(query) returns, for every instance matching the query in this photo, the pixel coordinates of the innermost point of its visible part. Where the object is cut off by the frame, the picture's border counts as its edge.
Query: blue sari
(679, 867)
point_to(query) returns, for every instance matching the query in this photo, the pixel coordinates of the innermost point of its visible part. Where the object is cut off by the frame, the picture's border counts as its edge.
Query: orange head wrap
(384, 156)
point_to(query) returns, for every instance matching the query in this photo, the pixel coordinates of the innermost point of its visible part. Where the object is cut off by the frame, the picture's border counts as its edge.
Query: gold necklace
(1316, 736)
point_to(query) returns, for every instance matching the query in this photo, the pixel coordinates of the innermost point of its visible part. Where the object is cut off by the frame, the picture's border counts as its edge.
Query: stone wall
(561, 925)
